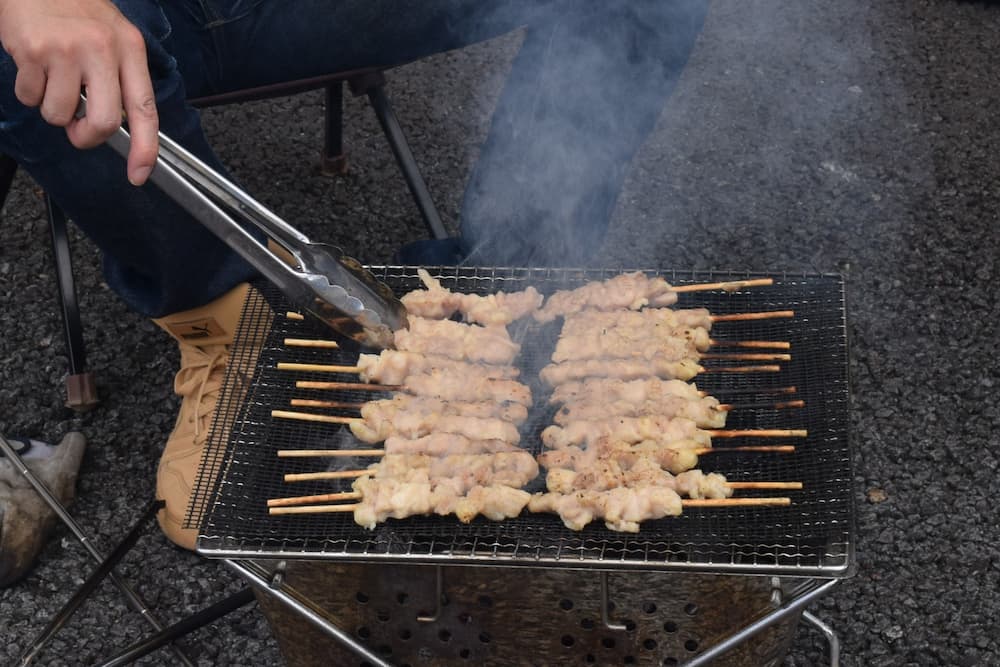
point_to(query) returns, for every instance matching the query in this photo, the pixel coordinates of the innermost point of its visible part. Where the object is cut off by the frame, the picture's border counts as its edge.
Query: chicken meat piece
(515, 413)
(626, 429)
(615, 389)
(493, 502)
(616, 344)
(622, 509)
(704, 412)
(376, 426)
(465, 470)
(627, 290)
(445, 444)
(637, 320)
(392, 499)
(622, 369)
(394, 366)
(675, 457)
(453, 386)
(501, 308)
(455, 340)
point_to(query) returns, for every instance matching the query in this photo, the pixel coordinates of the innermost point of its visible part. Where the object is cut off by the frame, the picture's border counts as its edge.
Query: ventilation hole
(629, 660)
(364, 632)
(465, 653)
(629, 626)
(484, 637)
(670, 662)
(587, 624)
(691, 645)
(649, 644)
(608, 642)
(690, 609)
(465, 618)
(485, 601)
(382, 615)
(567, 640)
(404, 634)
(361, 597)
(401, 598)
(649, 608)
(444, 636)
(590, 658)
(367, 664)
(670, 626)
(445, 600)
(384, 649)
(565, 604)
(611, 605)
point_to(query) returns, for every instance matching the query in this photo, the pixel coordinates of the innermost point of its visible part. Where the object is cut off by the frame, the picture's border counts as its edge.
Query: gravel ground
(848, 136)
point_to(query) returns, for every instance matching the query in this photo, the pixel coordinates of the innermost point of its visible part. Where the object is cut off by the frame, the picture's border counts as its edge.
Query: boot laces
(198, 382)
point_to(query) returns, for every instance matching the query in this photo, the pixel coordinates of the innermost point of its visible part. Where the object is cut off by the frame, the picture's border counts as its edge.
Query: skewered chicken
(390, 498)
(626, 429)
(393, 366)
(445, 444)
(504, 468)
(515, 413)
(453, 386)
(638, 320)
(623, 369)
(615, 389)
(376, 426)
(704, 412)
(620, 342)
(627, 290)
(621, 508)
(500, 308)
(455, 340)
(675, 457)
(607, 474)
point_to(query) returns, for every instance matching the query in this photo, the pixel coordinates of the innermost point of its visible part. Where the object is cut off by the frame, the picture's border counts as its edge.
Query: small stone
(876, 496)
(894, 633)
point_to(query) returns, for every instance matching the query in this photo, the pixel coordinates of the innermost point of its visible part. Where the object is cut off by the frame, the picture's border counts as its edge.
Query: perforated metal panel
(812, 537)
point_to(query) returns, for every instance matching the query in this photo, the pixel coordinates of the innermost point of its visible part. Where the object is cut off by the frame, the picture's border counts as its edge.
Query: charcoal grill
(813, 537)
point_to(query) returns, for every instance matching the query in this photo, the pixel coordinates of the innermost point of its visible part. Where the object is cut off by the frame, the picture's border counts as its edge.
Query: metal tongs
(325, 283)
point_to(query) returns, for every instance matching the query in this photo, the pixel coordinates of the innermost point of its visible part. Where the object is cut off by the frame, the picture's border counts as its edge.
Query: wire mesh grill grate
(812, 537)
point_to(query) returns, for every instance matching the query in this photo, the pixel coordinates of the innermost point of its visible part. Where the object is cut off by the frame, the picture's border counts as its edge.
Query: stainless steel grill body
(812, 537)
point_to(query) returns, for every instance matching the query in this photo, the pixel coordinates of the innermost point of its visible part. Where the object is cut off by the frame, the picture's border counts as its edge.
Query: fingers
(62, 94)
(140, 106)
(104, 106)
(29, 86)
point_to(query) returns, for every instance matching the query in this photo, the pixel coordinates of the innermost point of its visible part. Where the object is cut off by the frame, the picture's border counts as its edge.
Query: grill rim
(844, 551)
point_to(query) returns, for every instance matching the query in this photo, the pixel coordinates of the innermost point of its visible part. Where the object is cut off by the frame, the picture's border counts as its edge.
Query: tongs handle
(325, 283)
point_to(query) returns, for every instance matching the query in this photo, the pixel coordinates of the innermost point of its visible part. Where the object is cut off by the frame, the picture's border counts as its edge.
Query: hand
(61, 47)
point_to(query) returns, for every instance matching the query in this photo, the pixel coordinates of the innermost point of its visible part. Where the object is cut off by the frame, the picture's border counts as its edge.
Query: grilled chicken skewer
(438, 303)
(455, 340)
(610, 473)
(705, 412)
(638, 429)
(376, 426)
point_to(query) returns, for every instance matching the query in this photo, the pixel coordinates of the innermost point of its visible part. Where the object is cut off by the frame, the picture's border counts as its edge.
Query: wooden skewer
(319, 368)
(362, 386)
(309, 342)
(780, 405)
(729, 286)
(312, 403)
(755, 390)
(292, 315)
(741, 317)
(688, 502)
(327, 453)
(746, 357)
(743, 369)
(761, 344)
(311, 417)
(776, 449)
(759, 433)
(355, 495)
(315, 476)
(309, 453)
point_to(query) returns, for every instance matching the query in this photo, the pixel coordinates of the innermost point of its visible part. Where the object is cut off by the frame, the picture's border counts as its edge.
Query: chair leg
(374, 87)
(334, 161)
(8, 167)
(81, 390)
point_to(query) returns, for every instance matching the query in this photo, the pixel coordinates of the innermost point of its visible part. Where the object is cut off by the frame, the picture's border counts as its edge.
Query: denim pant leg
(157, 258)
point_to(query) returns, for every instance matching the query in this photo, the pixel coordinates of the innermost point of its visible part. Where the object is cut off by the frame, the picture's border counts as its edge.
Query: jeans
(586, 89)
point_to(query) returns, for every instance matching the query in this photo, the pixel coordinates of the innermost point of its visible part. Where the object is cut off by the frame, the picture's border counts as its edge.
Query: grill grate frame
(815, 536)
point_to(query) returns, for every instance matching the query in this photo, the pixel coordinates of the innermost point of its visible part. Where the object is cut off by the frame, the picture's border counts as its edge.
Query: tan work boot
(204, 335)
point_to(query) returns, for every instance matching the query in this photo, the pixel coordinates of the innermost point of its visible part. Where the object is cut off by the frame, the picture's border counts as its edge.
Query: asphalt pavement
(857, 136)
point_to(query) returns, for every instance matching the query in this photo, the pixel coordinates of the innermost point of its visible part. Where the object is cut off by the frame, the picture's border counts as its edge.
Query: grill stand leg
(438, 595)
(259, 579)
(788, 607)
(605, 603)
(831, 637)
